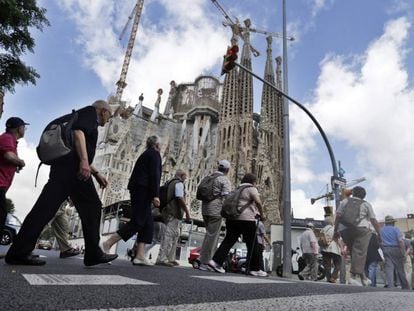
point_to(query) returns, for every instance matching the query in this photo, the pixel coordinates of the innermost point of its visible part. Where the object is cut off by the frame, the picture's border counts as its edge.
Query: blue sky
(351, 64)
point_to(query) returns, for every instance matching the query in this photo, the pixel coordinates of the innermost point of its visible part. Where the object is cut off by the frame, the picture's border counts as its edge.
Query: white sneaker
(258, 273)
(141, 262)
(354, 281)
(212, 264)
(365, 281)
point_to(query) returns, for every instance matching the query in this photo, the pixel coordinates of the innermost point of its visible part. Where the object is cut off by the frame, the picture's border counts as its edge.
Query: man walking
(310, 250)
(393, 247)
(172, 215)
(144, 188)
(211, 213)
(355, 215)
(10, 163)
(70, 176)
(60, 228)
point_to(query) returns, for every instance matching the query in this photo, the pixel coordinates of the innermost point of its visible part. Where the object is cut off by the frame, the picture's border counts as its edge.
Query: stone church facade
(203, 121)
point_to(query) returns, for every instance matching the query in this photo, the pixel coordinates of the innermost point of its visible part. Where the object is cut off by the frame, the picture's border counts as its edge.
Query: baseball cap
(224, 164)
(310, 225)
(15, 122)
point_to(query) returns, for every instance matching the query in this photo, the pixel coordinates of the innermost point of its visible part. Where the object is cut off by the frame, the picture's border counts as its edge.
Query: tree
(16, 17)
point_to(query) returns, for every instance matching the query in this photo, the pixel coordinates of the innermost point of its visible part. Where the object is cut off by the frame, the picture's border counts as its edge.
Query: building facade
(203, 121)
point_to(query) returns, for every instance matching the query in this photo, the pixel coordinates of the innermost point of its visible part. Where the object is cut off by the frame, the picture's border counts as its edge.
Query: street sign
(340, 181)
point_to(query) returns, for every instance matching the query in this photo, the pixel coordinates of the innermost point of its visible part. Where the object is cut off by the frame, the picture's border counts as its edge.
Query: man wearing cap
(211, 213)
(356, 235)
(70, 176)
(393, 248)
(310, 250)
(10, 163)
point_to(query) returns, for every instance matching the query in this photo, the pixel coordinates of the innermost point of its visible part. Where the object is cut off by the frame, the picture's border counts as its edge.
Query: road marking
(377, 301)
(239, 279)
(81, 279)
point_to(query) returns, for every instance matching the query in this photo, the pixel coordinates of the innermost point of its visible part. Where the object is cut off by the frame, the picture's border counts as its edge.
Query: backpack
(351, 213)
(56, 140)
(230, 209)
(205, 188)
(166, 194)
(322, 240)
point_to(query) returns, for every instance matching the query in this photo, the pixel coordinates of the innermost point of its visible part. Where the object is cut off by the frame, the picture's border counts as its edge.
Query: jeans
(373, 269)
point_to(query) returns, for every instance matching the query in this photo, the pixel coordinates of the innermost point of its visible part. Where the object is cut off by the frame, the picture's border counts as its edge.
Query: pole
(287, 240)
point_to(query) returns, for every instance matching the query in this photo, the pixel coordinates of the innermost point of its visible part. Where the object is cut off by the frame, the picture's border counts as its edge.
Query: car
(44, 244)
(11, 228)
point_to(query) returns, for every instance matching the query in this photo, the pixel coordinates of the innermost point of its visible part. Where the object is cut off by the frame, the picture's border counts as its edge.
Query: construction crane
(330, 195)
(136, 14)
(238, 29)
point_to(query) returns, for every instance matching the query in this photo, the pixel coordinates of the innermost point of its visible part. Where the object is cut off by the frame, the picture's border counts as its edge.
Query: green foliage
(10, 206)
(16, 19)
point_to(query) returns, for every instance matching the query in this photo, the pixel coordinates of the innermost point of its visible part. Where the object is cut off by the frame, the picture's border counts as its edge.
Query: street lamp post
(287, 241)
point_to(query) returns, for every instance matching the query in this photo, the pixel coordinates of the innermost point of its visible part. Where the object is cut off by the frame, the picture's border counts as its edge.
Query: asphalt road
(122, 286)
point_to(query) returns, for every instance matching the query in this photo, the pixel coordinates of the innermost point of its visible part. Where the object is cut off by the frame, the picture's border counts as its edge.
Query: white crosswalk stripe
(81, 279)
(239, 279)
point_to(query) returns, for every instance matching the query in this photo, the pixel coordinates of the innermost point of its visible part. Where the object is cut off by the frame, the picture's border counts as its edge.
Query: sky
(351, 64)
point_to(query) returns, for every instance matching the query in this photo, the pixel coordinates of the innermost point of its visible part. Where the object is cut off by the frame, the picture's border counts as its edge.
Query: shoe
(141, 262)
(164, 263)
(69, 253)
(203, 267)
(27, 261)
(212, 264)
(103, 259)
(365, 281)
(174, 263)
(332, 280)
(300, 276)
(258, 273)
(354, 281)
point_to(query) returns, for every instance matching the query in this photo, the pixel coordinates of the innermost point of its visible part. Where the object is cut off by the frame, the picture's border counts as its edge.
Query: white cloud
(366, 102)
(22, 191)
(318, 5)
(180, 46)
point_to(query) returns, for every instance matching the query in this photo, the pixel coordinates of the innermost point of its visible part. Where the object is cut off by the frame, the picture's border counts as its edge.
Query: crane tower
(121, 84)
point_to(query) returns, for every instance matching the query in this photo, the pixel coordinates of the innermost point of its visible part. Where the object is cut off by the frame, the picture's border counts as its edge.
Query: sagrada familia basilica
(204, 121)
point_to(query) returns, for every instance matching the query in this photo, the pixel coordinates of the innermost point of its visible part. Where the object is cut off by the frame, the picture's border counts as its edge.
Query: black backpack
(56, 140)
(230, 208)
(205, 188)
(351, 213)
(167, 193)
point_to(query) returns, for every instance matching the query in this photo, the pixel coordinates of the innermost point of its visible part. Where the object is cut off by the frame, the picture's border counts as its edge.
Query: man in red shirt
(10, 163)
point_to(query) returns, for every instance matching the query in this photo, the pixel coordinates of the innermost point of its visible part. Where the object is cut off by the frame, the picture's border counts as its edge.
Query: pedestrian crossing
(82, 279)
(111, 279)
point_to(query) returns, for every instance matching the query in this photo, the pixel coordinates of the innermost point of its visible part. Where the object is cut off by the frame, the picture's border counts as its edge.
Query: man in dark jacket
(70, 176)
(144, 188)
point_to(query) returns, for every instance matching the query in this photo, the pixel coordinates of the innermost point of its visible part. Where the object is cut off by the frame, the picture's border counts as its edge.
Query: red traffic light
(229, 59)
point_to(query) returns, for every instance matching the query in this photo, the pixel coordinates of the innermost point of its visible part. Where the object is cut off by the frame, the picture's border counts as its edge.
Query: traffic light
(229, 61)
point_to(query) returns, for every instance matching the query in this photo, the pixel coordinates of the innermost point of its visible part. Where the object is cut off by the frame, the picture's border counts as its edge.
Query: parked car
(44, 244)
(10, 230)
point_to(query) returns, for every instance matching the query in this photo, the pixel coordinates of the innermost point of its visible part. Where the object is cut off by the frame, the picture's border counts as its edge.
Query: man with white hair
(70, 176)
(310, 250)
(172, 215)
